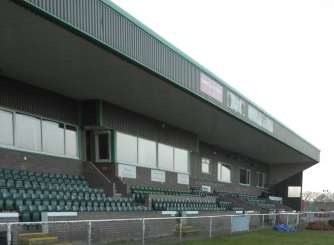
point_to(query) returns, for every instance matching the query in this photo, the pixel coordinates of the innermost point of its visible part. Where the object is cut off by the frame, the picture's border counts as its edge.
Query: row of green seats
(40, 184)
(46, 205)
(182, 206)
(33, 214)
(43, 179)
(12, 204)
(38, 174)
(226, 205)
(151, 189)
(38, 194)
(38, 190)
(184, 200)
(57, 197)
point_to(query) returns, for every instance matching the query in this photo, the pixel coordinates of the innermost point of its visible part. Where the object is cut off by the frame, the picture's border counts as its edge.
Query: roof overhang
(42, 53)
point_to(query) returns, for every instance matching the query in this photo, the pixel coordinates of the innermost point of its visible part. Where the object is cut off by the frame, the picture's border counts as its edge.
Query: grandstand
(100, 115)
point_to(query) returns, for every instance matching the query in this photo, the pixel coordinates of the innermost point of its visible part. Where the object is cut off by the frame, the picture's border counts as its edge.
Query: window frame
(13, 129)
(174, 162)
(258, 173)
(157, 143)
(41, 118)
(208, 162)
(145, 165)
(222, 164)
(248, 172)
(116, 145)
(43, 134)
(158, 162)
(96, 135)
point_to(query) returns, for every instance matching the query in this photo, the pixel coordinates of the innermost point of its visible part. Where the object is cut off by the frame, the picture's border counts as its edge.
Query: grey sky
(280, 54)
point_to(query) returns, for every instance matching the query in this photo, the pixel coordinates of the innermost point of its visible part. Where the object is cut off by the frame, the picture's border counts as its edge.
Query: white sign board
(158, 176)
(183, 179)
(211, 88)
(294, 191)
(127, 171)
(206, 188)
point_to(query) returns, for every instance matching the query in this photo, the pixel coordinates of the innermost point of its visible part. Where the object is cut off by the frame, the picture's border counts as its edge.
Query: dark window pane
(103, 145)
(244, 176)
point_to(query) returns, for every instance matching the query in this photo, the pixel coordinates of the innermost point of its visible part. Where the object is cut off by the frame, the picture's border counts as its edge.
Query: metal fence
(162, 230)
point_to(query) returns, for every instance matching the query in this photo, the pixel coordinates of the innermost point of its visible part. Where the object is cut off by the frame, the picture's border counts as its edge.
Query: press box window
(147, 152)
(245, 176)
(6, 128)
(224, 172)
(126, 148)
(53, 137)
(71, 141)
(28, 132)
(165, 157)
(205, 166)
(181, 160)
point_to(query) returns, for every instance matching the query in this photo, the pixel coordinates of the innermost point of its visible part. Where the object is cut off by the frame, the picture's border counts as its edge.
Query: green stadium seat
(25, 216)
(9, 204)
(10, 183)
(41, 208)
(2, 204)
(3, 182)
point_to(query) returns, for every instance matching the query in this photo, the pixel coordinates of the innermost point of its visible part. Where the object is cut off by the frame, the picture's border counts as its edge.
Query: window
(102, 140)
(224, 172)
(294, 191)
(28, 132)
(260, 179)
(71, 141)
(147, 152)
(38, 135)
(205, 165)
(53, 137)
(235, 103)
(180, 160)
(165, 156)
(126, 148)
(6, 128)
(244, 176)
(260, 119)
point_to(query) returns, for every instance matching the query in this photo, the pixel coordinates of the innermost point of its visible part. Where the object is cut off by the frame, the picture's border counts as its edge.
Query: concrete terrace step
(186, 230)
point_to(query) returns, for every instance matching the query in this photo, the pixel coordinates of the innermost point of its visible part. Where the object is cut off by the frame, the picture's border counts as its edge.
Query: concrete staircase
(39, 238)
(186, 230)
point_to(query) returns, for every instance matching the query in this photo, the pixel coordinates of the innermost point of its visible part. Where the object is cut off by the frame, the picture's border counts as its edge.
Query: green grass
(269, 237)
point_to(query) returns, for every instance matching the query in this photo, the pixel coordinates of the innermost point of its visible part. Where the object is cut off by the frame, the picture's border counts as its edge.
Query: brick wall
(38, 162)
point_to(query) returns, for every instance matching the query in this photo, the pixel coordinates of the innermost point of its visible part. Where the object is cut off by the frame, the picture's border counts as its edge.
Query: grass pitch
(268, 237)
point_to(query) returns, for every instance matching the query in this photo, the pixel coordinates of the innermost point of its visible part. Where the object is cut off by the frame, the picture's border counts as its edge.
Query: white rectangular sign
(127, 171)
(294, 191)
(211, 88)
(158, 176)
(206, 188)
(183, 179)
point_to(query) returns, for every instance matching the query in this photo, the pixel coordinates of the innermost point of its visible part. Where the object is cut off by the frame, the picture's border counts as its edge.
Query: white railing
(160, 230)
